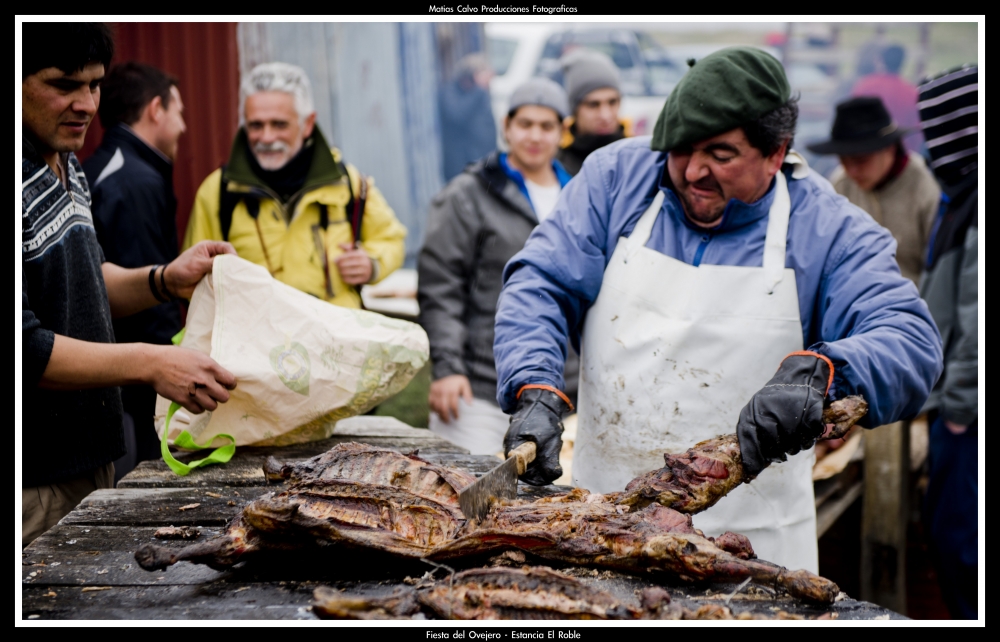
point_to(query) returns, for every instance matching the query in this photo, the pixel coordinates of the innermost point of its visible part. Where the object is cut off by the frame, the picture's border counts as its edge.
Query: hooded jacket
(476, 224)
(289, 240)
(855, 306)
(951, 288)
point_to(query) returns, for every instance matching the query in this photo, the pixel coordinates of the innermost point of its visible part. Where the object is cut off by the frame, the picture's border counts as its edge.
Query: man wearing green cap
(694, 268)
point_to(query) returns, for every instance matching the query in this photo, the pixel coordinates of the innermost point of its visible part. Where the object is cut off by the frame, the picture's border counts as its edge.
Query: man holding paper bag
(71, 366)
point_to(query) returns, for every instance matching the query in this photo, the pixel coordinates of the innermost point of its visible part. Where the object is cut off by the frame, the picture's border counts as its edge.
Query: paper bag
(301, 364)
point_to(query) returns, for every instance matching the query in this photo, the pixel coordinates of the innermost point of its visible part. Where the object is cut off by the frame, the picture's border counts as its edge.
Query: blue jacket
(856, 307)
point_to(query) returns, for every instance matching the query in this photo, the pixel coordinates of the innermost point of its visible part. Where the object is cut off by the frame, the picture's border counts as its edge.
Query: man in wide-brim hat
(697, 265)
(878, 175)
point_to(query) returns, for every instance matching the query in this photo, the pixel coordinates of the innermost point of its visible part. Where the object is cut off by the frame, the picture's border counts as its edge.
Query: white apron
(671, 353)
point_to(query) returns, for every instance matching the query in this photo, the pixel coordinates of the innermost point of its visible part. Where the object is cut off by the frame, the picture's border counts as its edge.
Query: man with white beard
(287, 201)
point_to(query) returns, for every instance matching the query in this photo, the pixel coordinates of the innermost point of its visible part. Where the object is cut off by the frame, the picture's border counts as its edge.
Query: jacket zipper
(324, 260)
(701, 249)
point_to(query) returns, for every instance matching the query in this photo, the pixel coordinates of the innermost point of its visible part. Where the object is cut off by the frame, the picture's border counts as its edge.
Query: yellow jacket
(293, 242)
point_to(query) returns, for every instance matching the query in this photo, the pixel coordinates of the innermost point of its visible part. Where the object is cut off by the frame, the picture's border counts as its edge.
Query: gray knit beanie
(585, 70)
(542, 92)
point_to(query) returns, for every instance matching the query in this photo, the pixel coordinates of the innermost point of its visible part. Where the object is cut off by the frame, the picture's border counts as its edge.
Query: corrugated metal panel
(375, 92)
(205, 60)
(422, 144)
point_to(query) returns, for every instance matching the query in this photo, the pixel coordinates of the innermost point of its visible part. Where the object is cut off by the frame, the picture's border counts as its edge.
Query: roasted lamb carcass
(538, 593)
(353, 494)
(529, 593)
(381, 500)
(587, 529)
(707, 472)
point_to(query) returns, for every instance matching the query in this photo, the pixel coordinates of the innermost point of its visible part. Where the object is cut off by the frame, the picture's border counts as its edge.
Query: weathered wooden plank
(884, 516)
(76, 555)
(377, 426)
(475, 464)
(244, 469)
(213, 601)
(834, 507)
(161, 506)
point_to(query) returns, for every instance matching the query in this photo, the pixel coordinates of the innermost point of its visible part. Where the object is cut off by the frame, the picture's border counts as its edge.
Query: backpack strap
(356, 205)
(324, 216)
(228, 202)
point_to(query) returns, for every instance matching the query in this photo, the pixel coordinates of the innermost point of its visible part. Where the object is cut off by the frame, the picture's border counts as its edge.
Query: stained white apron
(671, 353)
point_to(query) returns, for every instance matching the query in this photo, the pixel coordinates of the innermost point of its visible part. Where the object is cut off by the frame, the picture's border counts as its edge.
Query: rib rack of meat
(707, 472)
(377, 499)
(529, 593)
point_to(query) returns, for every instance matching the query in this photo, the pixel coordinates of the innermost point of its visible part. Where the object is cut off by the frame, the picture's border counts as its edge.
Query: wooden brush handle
(525, 454)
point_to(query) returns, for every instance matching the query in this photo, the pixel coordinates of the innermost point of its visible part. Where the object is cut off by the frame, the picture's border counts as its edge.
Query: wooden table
(84, 568)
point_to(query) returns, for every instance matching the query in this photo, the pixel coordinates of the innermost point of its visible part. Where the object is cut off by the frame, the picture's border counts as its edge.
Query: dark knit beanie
(722, 91)
(585, 70)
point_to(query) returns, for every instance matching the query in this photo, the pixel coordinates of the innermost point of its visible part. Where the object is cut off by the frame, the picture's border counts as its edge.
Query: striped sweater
(64, 434)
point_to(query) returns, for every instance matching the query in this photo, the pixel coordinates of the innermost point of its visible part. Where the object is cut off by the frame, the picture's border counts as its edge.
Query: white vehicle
(521, 51)
(649, 71)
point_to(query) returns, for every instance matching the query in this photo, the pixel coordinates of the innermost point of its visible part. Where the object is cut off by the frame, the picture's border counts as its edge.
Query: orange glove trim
(540, 386)
(810, 353)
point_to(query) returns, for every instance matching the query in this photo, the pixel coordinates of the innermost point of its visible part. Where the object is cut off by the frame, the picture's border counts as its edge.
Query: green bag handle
(220, 455)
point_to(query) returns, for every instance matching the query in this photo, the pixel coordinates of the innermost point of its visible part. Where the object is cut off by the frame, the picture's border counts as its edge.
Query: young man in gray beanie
(476, 223)
(714, 285)
(593, 85)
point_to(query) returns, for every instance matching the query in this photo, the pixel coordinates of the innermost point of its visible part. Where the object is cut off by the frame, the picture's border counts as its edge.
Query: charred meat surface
(177, 532)
(332, 604)
(537, 593)
(401, 505)
(587, 529)
(529, 593)
(707, 472)
(354, 494)
(219, 552)
(377, 466)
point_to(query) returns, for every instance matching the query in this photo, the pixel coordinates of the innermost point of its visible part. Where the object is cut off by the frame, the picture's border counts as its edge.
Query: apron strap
(777, 234)
(645, 225)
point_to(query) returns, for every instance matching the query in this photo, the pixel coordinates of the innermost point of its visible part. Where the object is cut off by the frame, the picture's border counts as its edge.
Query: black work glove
(538, 418)
(786, 415)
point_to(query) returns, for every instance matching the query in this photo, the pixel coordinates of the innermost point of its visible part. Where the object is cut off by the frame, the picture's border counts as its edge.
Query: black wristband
(152, 285)
(163, 283)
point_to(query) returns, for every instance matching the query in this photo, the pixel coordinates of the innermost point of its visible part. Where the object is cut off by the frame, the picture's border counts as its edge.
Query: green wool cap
(722, 91)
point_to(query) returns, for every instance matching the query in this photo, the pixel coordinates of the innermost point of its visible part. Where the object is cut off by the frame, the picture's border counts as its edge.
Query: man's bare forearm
(188, 377)
(76, 365)
(128, 289)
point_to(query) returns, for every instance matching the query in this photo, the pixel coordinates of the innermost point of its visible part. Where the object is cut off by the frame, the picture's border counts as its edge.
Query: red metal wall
(205, 59)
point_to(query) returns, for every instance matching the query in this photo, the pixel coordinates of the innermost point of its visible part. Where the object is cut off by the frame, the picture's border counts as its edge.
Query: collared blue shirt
(855, 306)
